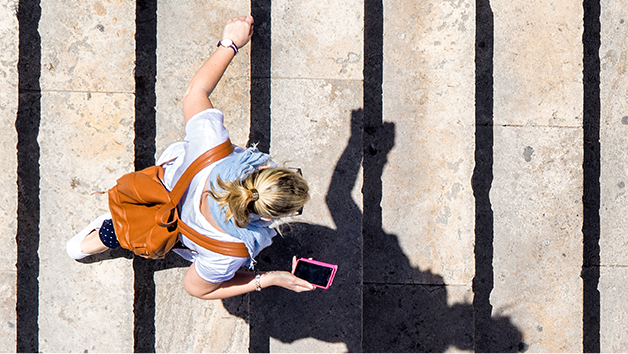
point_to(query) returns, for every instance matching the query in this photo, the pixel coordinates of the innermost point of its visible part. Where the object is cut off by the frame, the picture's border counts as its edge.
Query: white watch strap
(232, 46)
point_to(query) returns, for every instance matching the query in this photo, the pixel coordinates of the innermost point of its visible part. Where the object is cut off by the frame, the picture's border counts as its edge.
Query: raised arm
(196, 99)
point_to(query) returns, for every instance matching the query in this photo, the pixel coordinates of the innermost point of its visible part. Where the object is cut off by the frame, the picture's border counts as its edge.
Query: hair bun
(254, 194)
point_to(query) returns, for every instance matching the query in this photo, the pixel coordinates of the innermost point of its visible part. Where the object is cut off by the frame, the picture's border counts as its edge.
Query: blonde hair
(270, 193)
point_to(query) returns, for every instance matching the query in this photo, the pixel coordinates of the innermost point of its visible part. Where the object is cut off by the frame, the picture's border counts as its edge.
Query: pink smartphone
(317, 273)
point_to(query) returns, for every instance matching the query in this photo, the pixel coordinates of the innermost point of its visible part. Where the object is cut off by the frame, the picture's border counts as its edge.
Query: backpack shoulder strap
(234, 249)
(206, 159)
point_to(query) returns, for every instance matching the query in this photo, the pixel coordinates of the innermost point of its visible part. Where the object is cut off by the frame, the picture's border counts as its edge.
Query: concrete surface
(8, 141)
(537, 190)
(529, 286)
(446, 144)
(613, 176)
(183, 37)
(86, 143)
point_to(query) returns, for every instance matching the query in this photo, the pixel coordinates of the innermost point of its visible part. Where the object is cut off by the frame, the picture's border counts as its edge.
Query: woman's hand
(239, 30)
(286, 280)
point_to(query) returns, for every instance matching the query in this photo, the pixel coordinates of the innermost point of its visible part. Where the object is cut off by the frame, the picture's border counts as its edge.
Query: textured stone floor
(468, 162)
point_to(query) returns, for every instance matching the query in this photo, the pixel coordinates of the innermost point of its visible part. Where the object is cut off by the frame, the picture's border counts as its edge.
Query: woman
(234, 199)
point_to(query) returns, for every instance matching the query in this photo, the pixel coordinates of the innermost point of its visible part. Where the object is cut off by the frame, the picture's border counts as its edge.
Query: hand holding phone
(319, 274)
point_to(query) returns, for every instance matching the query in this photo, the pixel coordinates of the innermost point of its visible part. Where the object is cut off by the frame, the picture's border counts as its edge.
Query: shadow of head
(397, 315)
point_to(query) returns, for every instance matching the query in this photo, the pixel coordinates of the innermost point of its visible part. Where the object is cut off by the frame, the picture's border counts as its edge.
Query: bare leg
(87, 241)
(92, 244)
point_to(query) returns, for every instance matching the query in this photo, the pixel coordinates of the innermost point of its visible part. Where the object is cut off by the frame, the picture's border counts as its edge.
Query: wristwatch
(229, 44)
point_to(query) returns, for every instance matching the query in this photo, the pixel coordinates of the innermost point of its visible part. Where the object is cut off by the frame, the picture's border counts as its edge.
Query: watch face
(226, 42)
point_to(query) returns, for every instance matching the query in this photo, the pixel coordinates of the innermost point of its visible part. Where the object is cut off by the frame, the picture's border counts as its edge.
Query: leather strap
(234, 249)
(196, 166)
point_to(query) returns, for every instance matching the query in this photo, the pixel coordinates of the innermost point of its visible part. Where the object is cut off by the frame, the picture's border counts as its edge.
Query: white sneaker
(73, 247)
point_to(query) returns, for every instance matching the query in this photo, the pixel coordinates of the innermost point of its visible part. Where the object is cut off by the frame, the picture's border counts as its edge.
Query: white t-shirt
(203, 131)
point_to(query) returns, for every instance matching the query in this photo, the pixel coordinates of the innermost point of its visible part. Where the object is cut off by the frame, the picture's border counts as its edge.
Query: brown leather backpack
(145, 215)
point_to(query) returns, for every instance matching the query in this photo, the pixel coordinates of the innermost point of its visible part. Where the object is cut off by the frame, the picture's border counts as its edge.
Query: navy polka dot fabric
(108, 235)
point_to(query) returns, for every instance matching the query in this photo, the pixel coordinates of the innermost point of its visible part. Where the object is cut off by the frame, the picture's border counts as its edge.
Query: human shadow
(393, 315)
(172, 260)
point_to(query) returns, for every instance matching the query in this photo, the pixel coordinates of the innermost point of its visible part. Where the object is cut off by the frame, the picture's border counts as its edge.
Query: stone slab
(613, 310)
(428, 104)
(187, 33)
(429, 51)
(8, 159)
(613, 134)
(86, 143)
(317, 39)
(307, 346)
(185, 324)
(537, 188)
(613, 177)
(8, 292)
(88, 46)
(538, 62)
(418, 318)
(316, 126)
(537, 203)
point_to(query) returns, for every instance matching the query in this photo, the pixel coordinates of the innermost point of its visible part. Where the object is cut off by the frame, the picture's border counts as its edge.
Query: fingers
(291, 282)
(303, 289)
(245, 18)
(303, 286)
(300, 284)
(248, 19)
(239, 30)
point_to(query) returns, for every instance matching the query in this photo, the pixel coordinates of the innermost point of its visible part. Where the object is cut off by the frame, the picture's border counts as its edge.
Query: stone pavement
(468, 162)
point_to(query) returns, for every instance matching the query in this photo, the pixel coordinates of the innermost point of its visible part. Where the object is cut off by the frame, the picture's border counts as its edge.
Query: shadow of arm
(338, 199)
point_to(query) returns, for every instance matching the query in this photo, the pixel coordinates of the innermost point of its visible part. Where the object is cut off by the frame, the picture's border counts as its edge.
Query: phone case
(323, 264)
